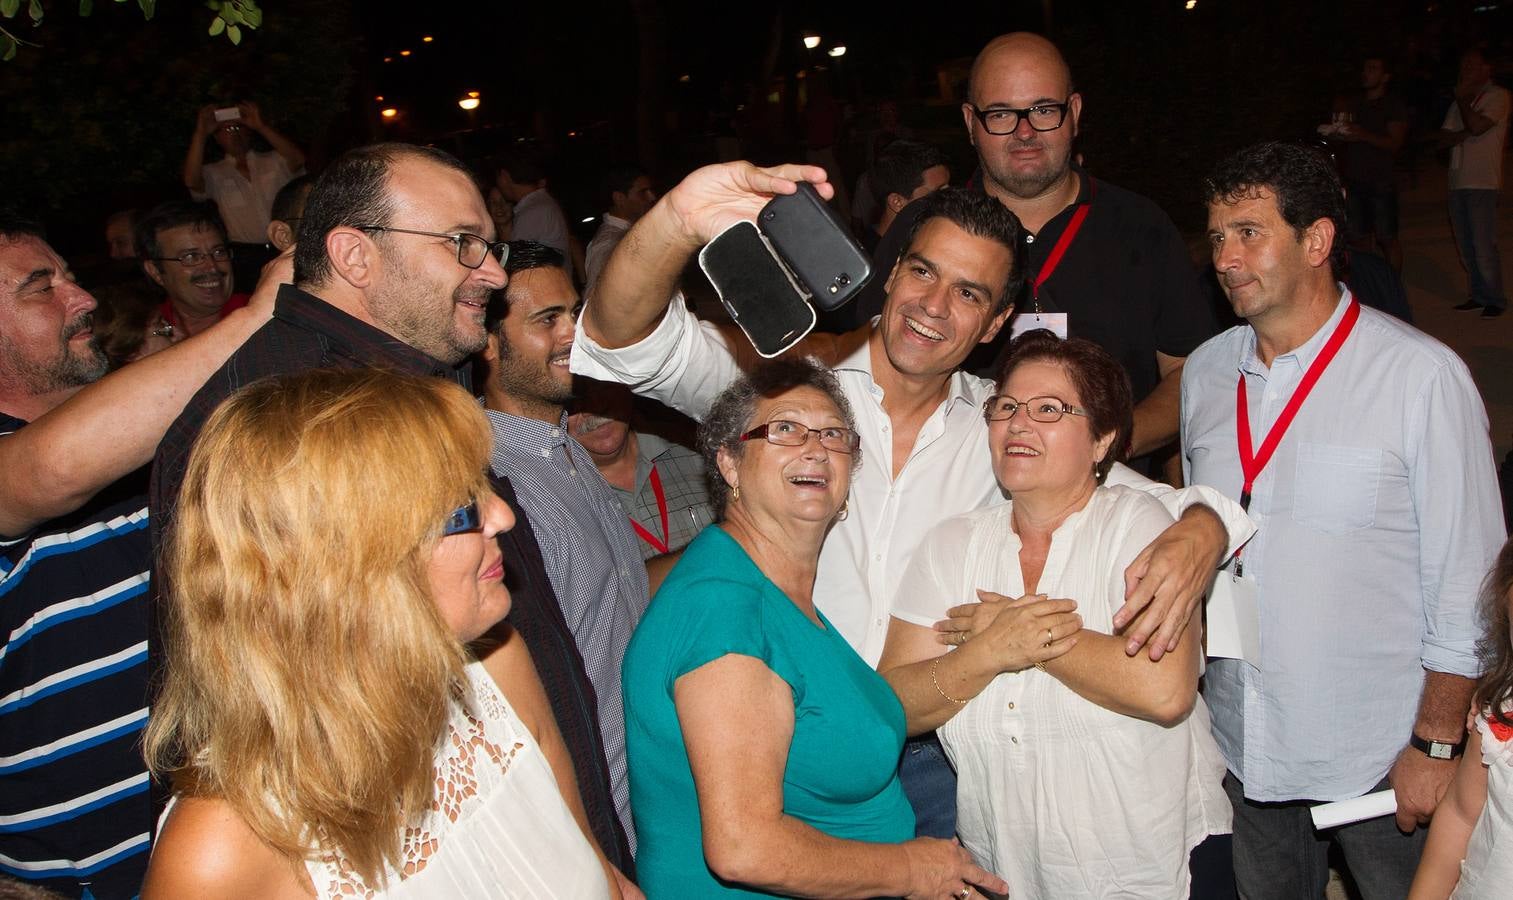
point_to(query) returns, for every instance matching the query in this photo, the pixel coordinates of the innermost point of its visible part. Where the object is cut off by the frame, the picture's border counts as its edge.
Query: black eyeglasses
(463, 519)
(192, 258)
(472, 249)
(1004, 119)
(1002, 407)
(796, 434)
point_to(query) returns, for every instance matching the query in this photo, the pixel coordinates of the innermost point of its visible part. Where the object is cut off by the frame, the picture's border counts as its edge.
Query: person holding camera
(244, 181)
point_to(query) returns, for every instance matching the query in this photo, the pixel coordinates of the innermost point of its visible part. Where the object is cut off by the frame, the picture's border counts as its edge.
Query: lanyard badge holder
(1034, 318)
(1233, 615)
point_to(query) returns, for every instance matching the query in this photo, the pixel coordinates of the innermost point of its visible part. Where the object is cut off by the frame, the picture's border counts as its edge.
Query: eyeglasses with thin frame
(163, 329)
(463, 519)
(191, 258)
(785, 433)
(472, 249)
(1002, 407)
(1002, 120)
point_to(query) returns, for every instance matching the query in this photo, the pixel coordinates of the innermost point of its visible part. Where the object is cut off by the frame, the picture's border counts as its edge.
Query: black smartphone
(815, 245)
(756, 290)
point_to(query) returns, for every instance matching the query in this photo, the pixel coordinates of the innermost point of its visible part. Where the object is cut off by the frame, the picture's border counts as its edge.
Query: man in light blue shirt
(1377, 517)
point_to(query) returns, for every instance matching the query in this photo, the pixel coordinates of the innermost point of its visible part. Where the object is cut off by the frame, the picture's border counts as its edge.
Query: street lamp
(838, 50)
(470, 102)
(811, 41)
(389, 113)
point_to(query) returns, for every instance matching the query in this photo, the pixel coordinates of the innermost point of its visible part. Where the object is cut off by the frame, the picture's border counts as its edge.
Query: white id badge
(1234, 619)
(1029, 321)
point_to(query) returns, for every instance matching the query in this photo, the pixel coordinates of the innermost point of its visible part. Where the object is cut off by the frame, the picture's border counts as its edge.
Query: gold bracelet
(936, 681)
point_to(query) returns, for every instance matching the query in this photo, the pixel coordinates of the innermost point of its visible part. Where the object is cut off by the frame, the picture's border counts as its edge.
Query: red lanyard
(1062, 243)
(1252, 463)
(647, 536)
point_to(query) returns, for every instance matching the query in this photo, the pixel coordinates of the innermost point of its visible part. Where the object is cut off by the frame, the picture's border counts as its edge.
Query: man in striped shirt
(75, 815)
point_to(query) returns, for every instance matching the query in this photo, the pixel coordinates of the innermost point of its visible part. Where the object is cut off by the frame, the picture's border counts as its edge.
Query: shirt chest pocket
(1335, 488)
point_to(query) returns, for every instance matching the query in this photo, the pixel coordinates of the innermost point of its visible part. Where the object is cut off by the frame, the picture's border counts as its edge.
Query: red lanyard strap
(1251, 464)
(1063, 242)
(647, 536)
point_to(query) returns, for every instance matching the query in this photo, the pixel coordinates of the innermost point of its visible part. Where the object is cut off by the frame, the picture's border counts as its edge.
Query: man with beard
(1101, 262)
(74, 556)
(183, 249)
(394, 269)
(586, 541)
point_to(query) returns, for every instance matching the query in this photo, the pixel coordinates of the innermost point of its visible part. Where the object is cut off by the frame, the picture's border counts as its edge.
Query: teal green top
(842, 772)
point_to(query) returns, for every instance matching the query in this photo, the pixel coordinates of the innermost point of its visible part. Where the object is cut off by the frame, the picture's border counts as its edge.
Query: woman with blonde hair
(327, 728)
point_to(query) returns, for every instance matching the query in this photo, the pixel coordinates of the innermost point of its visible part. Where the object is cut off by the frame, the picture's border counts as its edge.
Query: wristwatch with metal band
(1437, 749)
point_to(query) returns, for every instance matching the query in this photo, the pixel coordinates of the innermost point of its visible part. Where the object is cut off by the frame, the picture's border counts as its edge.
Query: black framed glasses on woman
(472, 249)
(796, 434)
(1004, 119)
(1002, 407)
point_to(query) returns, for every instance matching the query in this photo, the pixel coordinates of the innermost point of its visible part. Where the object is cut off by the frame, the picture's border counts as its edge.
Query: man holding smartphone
(244, 182)
(919, 417)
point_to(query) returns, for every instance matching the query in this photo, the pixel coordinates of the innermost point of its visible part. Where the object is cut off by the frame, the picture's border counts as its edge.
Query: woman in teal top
(763, 750)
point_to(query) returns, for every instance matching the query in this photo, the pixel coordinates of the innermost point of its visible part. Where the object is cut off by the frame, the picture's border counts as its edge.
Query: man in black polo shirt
(395, 269)
(74, 555)
(1122, 277)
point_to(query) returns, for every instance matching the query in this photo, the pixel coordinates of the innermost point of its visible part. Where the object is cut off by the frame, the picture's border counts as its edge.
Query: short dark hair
(1304, 183)
(523, 255)
(173, 214)
(619, 180)
(1101, 382)
(900, 169)
(15, 225)
(523, 168)
(286, 203)
(353, 190)
(731, 411)
(979, 215)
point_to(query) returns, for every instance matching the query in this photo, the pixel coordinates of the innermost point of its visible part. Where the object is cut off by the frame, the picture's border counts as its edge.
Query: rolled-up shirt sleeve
(1453, 483)
(684, 363)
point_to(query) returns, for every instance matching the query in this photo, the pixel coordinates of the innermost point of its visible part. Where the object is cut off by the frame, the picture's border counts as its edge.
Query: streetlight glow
(838, 50)
(1192, 4)
(811, 41)
(389, 112)
(427, 39)
(469, 103)
(404, 53)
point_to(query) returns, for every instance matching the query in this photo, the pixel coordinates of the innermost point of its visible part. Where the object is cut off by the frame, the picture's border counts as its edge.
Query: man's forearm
(293, 156)
(194, 163)
(638, 281)
(108, 429)
(1443, 706)
(1158, 415)
(1475, 122)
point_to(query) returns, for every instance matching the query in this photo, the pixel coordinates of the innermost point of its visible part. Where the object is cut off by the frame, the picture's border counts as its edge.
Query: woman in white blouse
(1090, 773)
(327, 728)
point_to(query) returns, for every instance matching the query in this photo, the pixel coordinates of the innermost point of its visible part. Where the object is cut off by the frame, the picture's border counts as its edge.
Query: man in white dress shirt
(920, 418)
(1377, 515)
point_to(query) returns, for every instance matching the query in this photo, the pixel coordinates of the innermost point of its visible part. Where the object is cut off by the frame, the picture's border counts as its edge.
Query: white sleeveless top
(1487, 871)
(498, 827)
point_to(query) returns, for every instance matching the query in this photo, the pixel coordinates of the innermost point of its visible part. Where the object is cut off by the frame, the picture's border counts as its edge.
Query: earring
(844, 511)
(735, 493)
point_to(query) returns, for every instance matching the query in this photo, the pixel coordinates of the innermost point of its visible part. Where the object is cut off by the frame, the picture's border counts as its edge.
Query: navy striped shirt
(75, 814)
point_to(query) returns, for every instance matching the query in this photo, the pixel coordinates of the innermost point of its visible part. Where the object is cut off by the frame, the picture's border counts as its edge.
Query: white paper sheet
(1344, 812)
(1234, 619)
